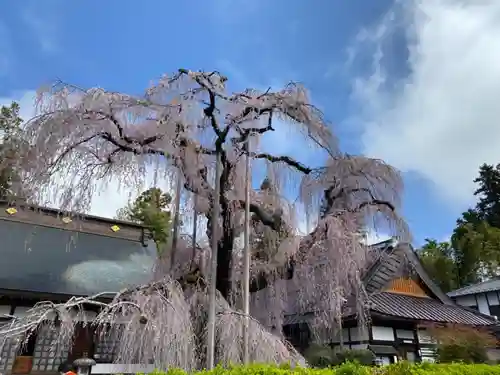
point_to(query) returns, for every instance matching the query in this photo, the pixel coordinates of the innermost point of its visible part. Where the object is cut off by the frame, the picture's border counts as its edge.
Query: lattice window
(106, 344)
(47, 356)
(8, 349)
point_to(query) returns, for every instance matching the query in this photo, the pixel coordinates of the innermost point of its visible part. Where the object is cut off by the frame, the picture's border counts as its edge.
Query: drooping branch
(182, 122)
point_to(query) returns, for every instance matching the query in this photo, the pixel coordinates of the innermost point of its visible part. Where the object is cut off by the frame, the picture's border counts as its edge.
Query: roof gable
(398, 286)
(400, 261)
(406, 286)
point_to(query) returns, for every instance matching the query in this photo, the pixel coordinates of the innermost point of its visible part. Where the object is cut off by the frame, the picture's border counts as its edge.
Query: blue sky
(338, 49)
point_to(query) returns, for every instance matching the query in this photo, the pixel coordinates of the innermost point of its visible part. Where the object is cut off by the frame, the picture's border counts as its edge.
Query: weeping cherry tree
(182, 123)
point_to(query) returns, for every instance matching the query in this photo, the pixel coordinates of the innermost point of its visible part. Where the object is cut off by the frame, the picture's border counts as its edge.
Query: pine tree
(151, 209)
(11, 143)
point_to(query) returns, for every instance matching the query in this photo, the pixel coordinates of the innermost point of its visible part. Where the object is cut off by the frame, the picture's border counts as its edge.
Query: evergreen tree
(474, 250)
(488, 206)
(438, 260)
(10, 146)
(151, 210)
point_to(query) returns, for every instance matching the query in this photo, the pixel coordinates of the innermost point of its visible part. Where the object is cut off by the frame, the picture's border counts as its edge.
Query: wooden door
(83, 342)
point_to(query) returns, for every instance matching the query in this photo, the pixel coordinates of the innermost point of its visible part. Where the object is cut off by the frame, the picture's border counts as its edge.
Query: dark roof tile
(426, 309)
(484, 287)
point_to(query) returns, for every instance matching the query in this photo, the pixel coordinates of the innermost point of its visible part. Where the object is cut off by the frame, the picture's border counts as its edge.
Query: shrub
(402, 368)
(362, 356)
(319, 356)
(324, 356)
(466, 344)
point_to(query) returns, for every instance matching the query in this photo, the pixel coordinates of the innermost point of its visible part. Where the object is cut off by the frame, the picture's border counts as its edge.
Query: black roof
(483, 287)
(393, 260)
(42, 253)
(393, 263)
(426, 309)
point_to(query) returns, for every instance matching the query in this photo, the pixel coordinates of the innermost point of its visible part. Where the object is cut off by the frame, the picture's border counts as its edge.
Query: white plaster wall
(4, 310)
(117, 368)
(21, 311)
(482, 304)
(466, 300)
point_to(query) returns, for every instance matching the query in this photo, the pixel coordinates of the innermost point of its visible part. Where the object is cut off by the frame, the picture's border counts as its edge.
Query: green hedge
(402, 368)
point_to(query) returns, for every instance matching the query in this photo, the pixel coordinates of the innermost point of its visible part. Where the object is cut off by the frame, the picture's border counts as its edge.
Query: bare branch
(284, 159)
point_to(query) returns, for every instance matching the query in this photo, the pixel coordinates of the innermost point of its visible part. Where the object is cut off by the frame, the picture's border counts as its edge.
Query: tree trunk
(224, 256)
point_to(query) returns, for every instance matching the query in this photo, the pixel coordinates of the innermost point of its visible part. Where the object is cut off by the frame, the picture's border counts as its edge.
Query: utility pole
(177, 203)
(246, 255)
(213, 270)
(195, 228)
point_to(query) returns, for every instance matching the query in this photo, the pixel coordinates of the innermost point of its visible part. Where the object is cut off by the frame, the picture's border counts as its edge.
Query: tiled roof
(426, 309)
(486, 286)
(389, 263)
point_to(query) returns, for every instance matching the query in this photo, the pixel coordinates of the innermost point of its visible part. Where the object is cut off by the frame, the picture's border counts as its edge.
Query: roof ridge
(73, 214)
(470, 288)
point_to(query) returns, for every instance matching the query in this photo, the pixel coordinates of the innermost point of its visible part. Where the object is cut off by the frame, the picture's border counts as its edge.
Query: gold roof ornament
(11, 210)
(115, 228)
(66, 220)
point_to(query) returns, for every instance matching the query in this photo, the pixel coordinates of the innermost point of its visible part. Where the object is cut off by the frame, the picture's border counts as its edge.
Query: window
(106, 344)
(405, 334)
(47, 356)
(298, 334)
(8, 349)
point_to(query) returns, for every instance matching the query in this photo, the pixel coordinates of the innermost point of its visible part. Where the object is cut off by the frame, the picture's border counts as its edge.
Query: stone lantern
(84, 364)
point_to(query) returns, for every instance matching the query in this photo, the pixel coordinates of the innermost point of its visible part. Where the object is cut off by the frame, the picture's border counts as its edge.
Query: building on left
(46, 255)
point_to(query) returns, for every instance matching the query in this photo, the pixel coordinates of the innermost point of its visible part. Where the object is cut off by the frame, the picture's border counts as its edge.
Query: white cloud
(26, 101)
(112, 196)
(443, 119)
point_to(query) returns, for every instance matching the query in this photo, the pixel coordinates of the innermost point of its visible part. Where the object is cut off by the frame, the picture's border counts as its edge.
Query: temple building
(403, 300)
(49, 256)
(483, 297)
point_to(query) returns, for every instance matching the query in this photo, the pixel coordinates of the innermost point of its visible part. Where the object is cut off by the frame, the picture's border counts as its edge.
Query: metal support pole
(213, 270)
(246, 255)
(195, 229)
(175, 232)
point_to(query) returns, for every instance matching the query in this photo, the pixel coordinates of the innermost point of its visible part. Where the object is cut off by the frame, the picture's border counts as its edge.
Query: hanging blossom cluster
(184, 122)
